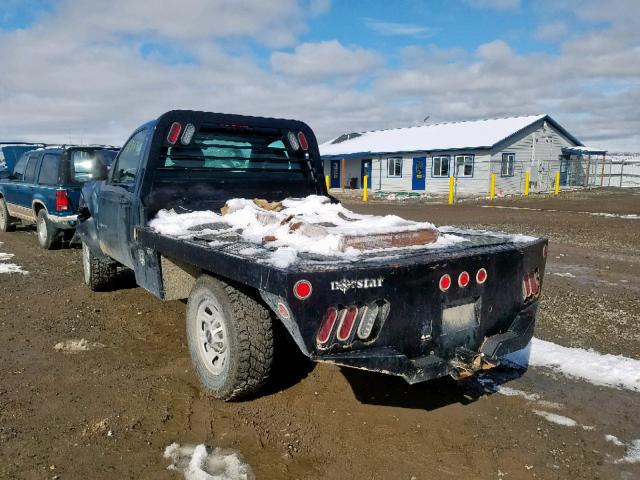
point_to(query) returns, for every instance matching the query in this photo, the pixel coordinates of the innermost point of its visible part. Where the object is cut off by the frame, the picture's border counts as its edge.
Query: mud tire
(248, 340)
(98, 274)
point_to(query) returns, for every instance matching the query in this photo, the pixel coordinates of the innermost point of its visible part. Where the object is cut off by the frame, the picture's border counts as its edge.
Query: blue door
(564, 170)
(335, 174)
(365, 169)
(418, 178)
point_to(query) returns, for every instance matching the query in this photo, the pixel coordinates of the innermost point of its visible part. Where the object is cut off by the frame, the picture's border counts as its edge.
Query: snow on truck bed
(311, 227)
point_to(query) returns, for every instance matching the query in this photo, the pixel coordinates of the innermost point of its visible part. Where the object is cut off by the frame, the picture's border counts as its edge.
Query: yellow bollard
(452, 186)
(364, 194)
(527, 177)
(557, 187)
(326, 180)
(492, 188)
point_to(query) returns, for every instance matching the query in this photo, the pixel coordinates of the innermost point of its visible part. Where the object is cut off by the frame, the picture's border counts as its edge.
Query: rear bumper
(414, 370)
(63, 221)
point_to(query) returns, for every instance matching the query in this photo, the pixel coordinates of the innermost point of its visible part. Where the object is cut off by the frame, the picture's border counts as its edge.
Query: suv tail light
(62, 200)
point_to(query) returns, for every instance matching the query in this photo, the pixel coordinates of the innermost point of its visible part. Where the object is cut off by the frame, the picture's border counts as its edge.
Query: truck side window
(50, 170)
(30, 171)
(126, 167)
(18, 170)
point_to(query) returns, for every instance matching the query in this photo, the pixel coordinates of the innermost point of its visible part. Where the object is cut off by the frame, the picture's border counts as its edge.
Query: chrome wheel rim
(86, 267)
(3, 217)
(42, 231)
(212, 337)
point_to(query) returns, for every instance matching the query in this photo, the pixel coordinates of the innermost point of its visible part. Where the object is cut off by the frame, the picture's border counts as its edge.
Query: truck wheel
(230, 337)
(48, 235)
(97, 273)
(6, 221)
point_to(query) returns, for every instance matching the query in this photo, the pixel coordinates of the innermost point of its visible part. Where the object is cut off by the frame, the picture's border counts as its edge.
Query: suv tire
(230, 338)
(48, 235)
(98, 274)
(6, 221)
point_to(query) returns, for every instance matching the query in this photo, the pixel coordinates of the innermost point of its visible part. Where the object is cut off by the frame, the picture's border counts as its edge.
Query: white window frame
(440, 158)
(465, 158)
(396, 164)
(510, 158)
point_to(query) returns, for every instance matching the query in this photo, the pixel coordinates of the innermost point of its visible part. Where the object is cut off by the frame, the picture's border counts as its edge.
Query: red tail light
(303, 141)
(346, 325)
(445, 282)
(463, 279)
(302, 289)
(481, 276)
(62, 200)
(174, 133)
(327, 325)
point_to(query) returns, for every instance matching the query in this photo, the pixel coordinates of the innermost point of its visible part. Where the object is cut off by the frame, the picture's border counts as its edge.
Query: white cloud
(91, 82)
(322, 60)
(495, 4)
(398, 29)
(551, 31)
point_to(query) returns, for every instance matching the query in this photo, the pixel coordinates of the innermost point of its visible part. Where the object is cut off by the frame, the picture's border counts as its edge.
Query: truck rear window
(234, 151)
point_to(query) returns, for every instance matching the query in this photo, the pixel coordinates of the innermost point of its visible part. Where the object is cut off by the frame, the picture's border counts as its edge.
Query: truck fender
(289, 322)
(88, 232)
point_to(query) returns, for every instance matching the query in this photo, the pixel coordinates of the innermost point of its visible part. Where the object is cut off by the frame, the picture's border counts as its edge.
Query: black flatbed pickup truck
(419, 313)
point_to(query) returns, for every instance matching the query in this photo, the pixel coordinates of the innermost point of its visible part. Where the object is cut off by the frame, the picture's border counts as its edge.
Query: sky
(91, 71)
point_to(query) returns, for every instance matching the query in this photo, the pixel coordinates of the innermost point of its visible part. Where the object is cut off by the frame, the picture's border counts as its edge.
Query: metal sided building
(421, 159)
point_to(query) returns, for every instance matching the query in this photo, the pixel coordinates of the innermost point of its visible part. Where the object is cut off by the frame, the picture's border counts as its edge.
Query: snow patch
(566, 275)
(597, 368)
(245, 218)
(613, 439)
(75, 346)
(555, 418)
(633, 453)
(9, 267)
(197, 463)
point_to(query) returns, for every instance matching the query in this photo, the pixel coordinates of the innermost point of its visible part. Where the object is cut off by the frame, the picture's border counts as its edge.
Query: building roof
(440, 136)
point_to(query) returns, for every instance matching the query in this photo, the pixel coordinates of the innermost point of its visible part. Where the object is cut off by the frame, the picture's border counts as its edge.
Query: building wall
(537, 149)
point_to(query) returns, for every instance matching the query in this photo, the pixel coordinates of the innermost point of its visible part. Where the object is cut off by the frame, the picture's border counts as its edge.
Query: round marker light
(187, 135)
(174, 133)
(463, 279)
(302, 289)
(445, 282)
(293, 141)
(303, 141)
(481, 276)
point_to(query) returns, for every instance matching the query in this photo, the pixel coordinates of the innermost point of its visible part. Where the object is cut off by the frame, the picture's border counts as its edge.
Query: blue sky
(354, 64)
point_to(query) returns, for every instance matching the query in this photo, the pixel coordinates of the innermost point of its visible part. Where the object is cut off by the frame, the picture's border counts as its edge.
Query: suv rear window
(242, 151)
(83, 162)
(30, 172)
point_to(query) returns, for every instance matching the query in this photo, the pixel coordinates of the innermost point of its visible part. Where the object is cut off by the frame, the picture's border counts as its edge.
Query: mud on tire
(230, 338)
(6, 221)
(97, 273)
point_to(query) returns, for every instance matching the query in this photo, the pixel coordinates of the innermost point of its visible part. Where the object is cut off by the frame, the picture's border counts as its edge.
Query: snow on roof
(584, 149)
(439, 136)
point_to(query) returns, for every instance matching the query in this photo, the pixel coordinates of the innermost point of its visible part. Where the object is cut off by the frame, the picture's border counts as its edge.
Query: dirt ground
(110, 411)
